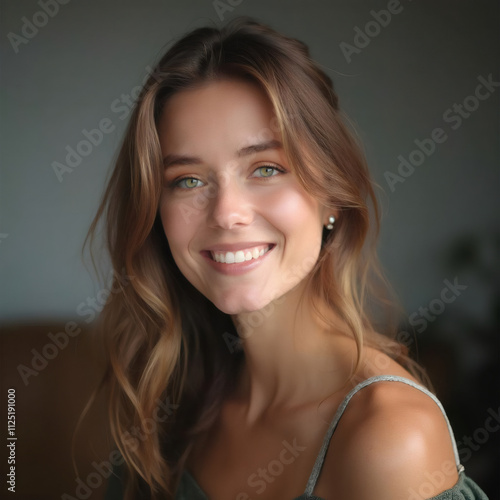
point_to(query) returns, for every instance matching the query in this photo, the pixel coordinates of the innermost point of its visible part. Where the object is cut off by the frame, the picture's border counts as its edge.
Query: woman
(242, 208)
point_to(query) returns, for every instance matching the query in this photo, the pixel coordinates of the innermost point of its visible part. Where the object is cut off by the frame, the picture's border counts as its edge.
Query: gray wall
(67, 76)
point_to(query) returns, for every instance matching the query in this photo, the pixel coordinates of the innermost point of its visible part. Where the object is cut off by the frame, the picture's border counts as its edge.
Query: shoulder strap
(313, 478)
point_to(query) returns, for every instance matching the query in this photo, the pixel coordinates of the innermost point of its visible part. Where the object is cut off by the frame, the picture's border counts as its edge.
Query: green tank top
(464, 489)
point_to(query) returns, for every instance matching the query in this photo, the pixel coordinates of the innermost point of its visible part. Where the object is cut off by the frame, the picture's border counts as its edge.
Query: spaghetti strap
(313, 478)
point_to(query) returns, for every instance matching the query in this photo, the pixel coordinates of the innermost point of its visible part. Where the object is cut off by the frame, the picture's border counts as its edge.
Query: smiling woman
(241, 205)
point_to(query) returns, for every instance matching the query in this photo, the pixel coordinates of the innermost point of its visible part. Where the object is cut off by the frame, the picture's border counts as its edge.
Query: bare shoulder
(392, 442)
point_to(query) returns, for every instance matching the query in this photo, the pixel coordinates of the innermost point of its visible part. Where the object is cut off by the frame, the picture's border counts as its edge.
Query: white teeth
(240, 255)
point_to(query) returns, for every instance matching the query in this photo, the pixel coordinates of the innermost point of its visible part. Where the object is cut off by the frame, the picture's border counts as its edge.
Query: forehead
(226, 113)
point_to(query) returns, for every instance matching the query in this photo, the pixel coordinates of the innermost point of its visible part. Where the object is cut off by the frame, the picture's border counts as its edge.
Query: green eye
(266, 171)
(189, 183)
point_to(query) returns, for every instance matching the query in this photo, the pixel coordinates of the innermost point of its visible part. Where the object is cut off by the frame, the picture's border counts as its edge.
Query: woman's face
(240, 226)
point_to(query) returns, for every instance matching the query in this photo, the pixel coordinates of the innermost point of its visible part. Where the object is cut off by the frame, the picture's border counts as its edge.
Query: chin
(240, 305)
(235, 309)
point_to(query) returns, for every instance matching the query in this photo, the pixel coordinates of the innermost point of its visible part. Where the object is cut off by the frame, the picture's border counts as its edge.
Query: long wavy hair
(166, 343)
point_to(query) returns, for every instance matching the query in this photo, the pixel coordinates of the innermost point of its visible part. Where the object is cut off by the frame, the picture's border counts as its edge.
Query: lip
(236, 268)
(234, 247)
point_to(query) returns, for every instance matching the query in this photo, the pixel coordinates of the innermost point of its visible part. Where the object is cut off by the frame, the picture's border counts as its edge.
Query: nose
(230, 206)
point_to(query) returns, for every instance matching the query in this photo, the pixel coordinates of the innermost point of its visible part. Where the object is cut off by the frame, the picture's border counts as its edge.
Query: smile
(243, 255)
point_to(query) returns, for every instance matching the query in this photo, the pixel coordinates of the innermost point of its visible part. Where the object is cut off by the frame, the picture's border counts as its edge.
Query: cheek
(179, 221)
(296, 213)
(298, 218)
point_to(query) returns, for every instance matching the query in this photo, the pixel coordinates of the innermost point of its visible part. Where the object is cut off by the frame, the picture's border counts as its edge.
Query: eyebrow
(173, 159)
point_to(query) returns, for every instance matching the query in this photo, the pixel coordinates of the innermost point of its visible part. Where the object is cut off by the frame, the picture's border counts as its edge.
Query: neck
(291, 356)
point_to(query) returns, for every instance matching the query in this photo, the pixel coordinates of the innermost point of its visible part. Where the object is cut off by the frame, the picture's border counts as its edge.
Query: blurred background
(419, 81)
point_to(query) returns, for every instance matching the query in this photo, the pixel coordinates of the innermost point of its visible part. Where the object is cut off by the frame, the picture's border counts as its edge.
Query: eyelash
(274, 167)
(177, 182)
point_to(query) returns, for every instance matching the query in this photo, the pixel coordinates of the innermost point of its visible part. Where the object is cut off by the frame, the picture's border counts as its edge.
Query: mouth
(242, 255)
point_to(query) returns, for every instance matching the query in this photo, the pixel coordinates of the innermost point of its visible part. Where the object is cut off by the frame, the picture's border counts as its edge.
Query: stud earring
(331, 221)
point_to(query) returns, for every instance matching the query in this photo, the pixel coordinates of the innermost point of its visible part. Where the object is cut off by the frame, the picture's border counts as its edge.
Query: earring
(331, 221)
